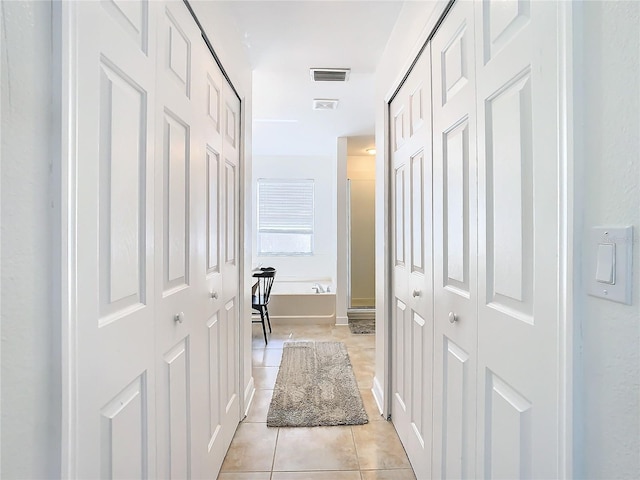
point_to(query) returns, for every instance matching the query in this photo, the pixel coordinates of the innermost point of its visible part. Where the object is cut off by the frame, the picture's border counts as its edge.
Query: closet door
(230, 214)
(179, 199)
(455, 244)
(153, 209)
(518, 239)
(216, 347)
(197, 202)
(412, 321)
(111, 374)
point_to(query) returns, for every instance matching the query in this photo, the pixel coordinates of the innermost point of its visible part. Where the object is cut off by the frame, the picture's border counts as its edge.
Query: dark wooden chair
(260, 294)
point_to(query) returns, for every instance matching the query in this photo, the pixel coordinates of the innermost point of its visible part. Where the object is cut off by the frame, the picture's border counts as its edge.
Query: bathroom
(325, 262)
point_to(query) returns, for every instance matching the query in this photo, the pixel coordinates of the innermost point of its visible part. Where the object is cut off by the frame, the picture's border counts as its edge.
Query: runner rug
(315, 386)
(363, 327)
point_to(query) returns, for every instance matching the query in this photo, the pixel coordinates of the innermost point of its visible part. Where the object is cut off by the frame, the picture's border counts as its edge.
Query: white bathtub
(297, 302)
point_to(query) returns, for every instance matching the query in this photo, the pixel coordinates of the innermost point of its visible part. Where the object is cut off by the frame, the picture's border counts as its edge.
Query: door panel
(412, 325)
(178, 50)
(133, 19)
(518, 229)
(455, 214)
(124, 441)
(417, 213)
(400, 382)
(455, 244)
(122, 203)
(176, 203)
(508, 198)
(214, 374)
(212, 437)
(179, 201)
(213, 215)
(508, 431)
(230, 270)
(455, 401)
(399, 215)
(175, 458)
(217, 365)
(230, 390)
(229, 210)
(111, 362)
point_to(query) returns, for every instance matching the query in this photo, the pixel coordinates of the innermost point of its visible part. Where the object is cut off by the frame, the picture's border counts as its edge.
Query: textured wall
(30, 369)
(609, 187)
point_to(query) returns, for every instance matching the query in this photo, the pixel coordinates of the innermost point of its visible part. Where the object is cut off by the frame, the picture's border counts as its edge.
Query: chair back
(262, 291)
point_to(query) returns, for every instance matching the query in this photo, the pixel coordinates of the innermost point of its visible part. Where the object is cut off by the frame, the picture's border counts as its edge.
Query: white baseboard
(302, 319)
(249, 394)
(378, 395)
(361, 314)
(342, 320)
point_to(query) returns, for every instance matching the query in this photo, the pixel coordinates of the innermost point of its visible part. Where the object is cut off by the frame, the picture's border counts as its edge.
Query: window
(285, 217)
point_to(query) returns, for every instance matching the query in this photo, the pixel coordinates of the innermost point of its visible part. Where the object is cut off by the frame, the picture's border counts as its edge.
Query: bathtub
(297, 302)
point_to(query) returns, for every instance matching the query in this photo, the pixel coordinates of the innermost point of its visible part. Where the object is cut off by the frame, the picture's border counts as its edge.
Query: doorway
(361, 228)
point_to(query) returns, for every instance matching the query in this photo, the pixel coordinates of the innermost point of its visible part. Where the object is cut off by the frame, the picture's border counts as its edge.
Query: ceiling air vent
(330, 74)
(325, 103)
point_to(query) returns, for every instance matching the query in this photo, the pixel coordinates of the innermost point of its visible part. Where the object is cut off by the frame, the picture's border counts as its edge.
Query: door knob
(214, 294)
(453, 318)
(179, 317)
(416, 293)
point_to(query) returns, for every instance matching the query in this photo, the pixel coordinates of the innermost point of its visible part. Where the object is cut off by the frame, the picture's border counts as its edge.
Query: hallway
(366, 452)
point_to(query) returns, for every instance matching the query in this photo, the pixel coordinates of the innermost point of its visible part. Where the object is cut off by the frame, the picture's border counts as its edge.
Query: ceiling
(284, 39)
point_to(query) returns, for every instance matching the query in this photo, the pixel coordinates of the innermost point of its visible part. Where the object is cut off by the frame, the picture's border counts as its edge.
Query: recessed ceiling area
(284, 40)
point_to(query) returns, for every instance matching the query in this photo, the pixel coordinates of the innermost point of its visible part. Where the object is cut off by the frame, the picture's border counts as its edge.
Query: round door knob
(416, 293)
(453, 318)
(214, 294)
(179, 318)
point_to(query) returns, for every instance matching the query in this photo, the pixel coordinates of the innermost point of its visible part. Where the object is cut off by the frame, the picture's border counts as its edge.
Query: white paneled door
(154, 351)
(412, 318)
(111, 405)
(518, 238)
(455, 244)
(488, 368)
(179, 202)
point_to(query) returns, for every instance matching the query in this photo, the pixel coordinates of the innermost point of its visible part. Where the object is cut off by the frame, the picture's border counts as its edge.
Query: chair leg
(264, 327)
(268, 320)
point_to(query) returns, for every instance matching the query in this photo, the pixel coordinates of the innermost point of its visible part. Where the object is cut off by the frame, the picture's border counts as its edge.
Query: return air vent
(325, 103)
(330, 74)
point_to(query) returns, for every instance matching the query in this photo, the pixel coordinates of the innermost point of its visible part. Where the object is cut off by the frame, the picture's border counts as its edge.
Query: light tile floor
(363, 452)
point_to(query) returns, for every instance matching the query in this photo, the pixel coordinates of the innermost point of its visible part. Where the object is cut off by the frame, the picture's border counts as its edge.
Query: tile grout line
(355, 447)
(275, 448)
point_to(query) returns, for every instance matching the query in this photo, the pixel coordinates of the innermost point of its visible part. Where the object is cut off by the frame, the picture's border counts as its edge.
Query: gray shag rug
(362, 327)
(315, 387)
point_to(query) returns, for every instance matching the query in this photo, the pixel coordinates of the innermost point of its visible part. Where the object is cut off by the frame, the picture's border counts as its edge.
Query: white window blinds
(285, 217)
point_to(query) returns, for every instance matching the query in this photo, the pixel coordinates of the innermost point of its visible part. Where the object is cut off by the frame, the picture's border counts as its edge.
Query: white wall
(608, 186)
(30, 335)
(322, 264)
(409, 33)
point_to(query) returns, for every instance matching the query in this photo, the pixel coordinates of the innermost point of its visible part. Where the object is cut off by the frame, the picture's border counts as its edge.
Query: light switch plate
(622, 239)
